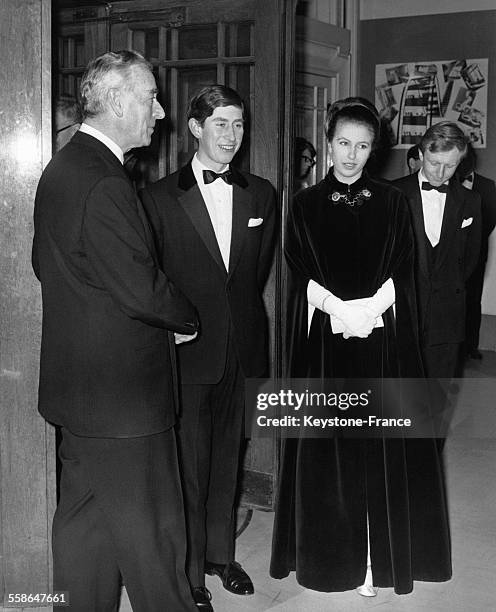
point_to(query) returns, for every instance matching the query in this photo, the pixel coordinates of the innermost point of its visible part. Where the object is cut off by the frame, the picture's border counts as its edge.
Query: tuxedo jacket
(229, 302)
(106, 356)
(440, 285)
(486, 188)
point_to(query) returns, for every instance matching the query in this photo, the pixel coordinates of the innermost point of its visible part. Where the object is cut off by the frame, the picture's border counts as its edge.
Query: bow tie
(428, 187)
(209, 176)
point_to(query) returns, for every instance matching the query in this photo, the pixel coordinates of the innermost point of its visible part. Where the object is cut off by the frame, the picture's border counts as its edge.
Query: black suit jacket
(226, 301)
(441, 288)
(106, 356)
(486, 188)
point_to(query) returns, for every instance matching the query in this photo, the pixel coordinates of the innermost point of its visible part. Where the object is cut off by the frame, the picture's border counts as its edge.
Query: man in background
(446, 222)
(486, 188)
(214, 228)
(107, 371)
(413, 159)
(304, 160)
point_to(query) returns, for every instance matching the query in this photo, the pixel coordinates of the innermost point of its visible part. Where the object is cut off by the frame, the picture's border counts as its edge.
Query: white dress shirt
(218, 200)
(433, 203)
(108, 142)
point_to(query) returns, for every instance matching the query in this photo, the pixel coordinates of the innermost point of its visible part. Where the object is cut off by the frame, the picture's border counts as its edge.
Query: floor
(470, 466)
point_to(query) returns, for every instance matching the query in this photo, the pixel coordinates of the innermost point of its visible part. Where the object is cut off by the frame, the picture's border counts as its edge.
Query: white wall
(489, 294)
(382, 9)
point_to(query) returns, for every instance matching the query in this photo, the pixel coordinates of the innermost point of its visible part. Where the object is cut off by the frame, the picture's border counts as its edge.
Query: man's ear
(195, 128)
(421, 156)
(115, 101)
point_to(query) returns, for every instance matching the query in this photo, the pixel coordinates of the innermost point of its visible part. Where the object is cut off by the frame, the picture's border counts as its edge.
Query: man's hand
(180, 338)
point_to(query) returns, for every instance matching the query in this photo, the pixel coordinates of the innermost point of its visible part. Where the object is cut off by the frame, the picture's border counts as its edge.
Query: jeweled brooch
(357, 200)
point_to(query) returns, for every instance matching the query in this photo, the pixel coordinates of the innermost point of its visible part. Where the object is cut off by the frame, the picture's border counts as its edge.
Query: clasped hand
(359, 320)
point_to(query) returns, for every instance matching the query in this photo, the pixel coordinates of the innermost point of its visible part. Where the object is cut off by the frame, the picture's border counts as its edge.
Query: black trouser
(121, 515)
(210, 435)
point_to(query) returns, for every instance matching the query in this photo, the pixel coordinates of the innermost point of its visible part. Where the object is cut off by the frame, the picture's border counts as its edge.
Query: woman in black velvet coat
(348, 508)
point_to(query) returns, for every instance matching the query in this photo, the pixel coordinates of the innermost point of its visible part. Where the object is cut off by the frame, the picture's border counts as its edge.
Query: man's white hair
(108, 71)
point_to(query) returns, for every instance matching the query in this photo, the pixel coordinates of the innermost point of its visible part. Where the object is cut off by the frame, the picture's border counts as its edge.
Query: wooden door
(190, 46)
(323, 75)
(319, 70)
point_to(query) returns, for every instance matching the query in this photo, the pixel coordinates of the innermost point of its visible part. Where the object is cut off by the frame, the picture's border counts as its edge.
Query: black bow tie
(209, 176)
(428, 187)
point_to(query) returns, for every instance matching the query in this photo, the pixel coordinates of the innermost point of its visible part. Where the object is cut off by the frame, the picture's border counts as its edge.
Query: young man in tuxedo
(446, 221)
(107, 371)
(214, 228)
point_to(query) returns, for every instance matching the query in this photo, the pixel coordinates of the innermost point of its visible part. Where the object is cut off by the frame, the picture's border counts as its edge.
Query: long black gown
(327, 487)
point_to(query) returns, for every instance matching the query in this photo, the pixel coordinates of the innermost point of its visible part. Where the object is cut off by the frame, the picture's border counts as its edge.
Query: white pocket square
(254, 222)
(467, 222)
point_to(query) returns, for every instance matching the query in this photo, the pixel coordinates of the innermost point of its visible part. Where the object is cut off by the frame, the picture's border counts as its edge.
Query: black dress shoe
(233, 576)
(202, 597)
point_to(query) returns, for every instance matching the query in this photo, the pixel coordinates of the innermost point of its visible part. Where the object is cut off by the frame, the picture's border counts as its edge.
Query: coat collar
(187, 178)
(451, 217)
(191, 199)
(86, 140)
(243, 209)
(415, 201)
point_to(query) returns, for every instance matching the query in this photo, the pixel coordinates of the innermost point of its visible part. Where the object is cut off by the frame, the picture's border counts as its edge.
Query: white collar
(108, 142)
(422, 178)
(198, 167)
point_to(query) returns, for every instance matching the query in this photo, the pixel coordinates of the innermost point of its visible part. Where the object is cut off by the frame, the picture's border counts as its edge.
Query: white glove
(358, 320)
(383, 298)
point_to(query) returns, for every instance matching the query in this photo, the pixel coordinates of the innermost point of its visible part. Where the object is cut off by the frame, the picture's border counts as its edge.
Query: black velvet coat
(328, 486)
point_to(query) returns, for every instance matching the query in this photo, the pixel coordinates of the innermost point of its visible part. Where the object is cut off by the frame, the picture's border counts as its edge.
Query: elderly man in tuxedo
(446, 221)
(107, 372)
(214, 228)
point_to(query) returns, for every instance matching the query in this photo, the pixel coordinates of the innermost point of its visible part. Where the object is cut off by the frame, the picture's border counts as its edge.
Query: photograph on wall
(414, 96)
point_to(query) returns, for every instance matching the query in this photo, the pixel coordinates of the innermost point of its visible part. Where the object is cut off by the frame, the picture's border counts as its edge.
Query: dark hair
(412, 153)
(104, 72)
(356, 110)
(300, 145)
(443, 136)
(203, 104)
(68, 108)
(67, 104)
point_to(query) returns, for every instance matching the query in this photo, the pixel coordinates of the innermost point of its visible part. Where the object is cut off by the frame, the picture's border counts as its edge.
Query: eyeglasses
(311, 162)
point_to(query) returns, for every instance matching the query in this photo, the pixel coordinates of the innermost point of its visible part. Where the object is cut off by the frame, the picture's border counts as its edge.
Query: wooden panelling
(26, 490)
(273, 75)
(96, 36)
